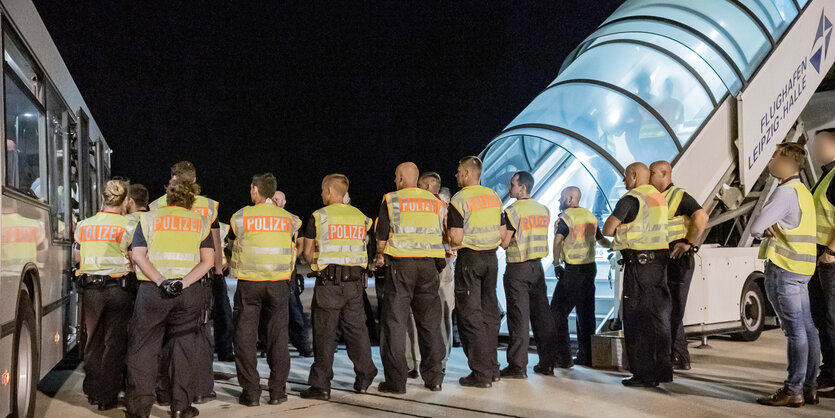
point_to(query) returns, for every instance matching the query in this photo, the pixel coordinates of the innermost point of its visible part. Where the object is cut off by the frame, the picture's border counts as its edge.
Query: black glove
(559, 271)
(172, 287)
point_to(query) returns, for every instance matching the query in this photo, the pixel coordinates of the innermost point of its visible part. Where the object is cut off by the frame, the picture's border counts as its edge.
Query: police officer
(214, 290)
(173, 250)
(263, 256)
(335, 247)
(526, 242)
(475, 230)
(639, 226)
(574, 243)
(409, 232)
(822, 284)
(137, 201)
(103, 242)
(685, 224)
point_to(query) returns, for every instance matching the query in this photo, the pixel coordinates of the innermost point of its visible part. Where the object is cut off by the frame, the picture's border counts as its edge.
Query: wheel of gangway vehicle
(25, 368)
(752, 312)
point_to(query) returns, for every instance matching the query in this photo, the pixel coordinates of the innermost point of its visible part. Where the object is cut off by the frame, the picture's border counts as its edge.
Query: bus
(53, 163)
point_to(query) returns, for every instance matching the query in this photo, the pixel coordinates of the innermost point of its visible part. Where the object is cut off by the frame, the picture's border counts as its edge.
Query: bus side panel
(54, 285)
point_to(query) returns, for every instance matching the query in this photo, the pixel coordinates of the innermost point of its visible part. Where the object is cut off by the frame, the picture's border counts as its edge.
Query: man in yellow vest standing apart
(787, 224)
(639, 226)
(222, 340)
(263, 257)
(574, 243)
(335, 246)
(526, 242)
(475, 230)
(409, 232)
(822, 284)
(686, 220)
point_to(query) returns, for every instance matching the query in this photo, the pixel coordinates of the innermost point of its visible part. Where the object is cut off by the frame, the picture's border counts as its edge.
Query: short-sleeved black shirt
(310, 228)
(381, 231)
(626, 209)
(830, 192)
(139, 239)
(688, 206)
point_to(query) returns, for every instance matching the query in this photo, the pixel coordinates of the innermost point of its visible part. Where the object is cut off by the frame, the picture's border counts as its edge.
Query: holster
(339, 274)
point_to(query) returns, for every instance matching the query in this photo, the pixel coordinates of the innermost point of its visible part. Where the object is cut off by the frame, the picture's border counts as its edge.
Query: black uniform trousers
(575, 290)
(107, 311)
(478, 311)
(527, 306)
(155, 315)
(334, 305)
(222, 318)
(413, 287)
(646, 318)
(822, 305)
(256, 302)
(679, 276)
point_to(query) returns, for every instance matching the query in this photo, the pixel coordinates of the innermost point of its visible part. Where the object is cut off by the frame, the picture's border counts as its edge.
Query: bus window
(25, 170)
(58, 127)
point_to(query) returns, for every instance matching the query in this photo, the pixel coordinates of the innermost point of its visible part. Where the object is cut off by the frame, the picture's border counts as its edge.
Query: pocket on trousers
(327, 297)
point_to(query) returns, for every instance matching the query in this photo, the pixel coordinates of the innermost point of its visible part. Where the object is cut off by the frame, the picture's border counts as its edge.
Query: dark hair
(826, 131)
(265, 183)
(184, 170)
(180, 192)
(525, 179)
(794, 151)
(139, 194)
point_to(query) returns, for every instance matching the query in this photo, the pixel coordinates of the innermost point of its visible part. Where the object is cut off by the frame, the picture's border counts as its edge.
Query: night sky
(303, 90)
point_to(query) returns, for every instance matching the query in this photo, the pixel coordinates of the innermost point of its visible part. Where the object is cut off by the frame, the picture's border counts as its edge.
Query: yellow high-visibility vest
(416, 219)
(341, 236)
(677, 226)
(482, 211)
(173, 235)
(264, 248)
(579, 246)
(824, 210)
(794, 250)
(104, 240)
(202, 205)
(530, 219)
(649, 229)
(20, 239)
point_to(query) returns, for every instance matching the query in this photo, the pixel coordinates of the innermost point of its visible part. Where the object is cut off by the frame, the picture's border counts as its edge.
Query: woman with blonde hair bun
(101, 249)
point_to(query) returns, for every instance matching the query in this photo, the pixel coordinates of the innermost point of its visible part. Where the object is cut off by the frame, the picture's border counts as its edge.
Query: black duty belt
(97, 281)
(338, 274)
(644, 257)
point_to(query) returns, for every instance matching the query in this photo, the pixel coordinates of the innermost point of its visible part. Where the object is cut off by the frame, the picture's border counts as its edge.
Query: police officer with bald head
(639, 227)
(686, 220)
(409, 236)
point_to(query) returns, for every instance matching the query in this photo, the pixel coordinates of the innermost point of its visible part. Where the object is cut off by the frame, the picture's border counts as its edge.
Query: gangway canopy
(639, 88)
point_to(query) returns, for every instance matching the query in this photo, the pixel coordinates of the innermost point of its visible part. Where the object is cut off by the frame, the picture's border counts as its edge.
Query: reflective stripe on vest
(530, 220)
(482, 211)
(579, 246)
(341, 233)
(202, 205)
(677, 226)
(173, 235)
(649, 229)
(825, 211)
(264, 249)
(416, 217)
(794, 250)
(104, 240)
